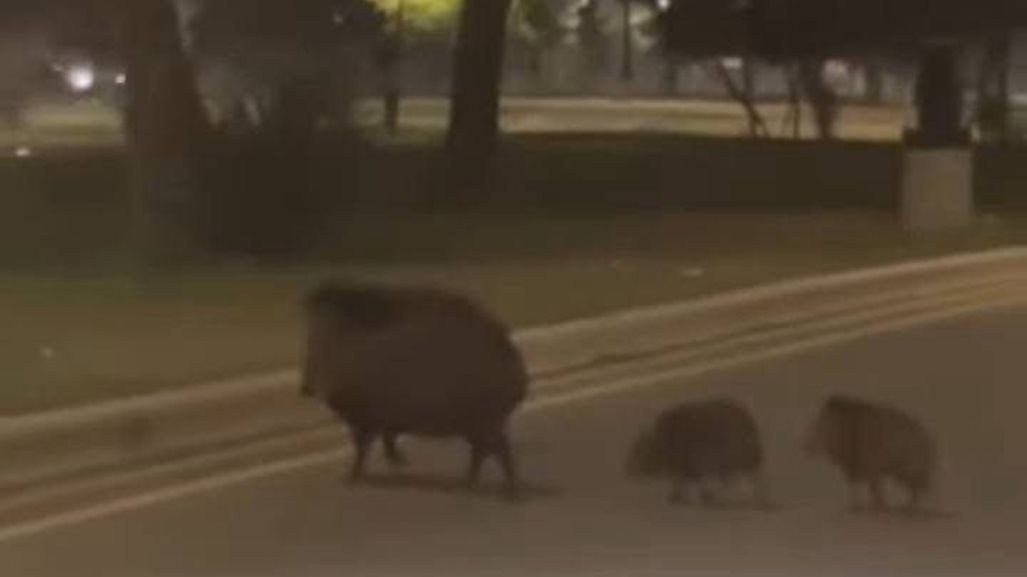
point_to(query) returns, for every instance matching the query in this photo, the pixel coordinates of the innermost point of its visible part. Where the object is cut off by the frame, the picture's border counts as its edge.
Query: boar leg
(478, 454)
(392, 452)
(760, 491)
(708, 496)
(877, 499)
(913, 503)
(855, 502)
(501, 449)
(363, 438)
(728, 487)
(678, 491)
(493, 443)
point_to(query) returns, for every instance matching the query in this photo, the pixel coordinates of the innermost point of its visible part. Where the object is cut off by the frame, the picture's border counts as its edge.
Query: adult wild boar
(872, 443)
(390, 361)
(701, 445)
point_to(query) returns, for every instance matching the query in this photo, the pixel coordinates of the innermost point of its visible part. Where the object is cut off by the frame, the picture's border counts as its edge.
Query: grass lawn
(74, 338)
(51, 127)
(696, 117)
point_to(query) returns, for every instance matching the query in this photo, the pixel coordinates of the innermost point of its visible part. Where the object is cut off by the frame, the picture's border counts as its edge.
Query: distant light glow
(663, 5)
(692, 272)
(23, 152)
(837, 68)
(732, 63)
(120, 79)
(80, 77)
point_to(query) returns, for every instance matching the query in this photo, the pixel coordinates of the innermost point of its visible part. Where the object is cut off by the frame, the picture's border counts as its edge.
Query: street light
(80, 77)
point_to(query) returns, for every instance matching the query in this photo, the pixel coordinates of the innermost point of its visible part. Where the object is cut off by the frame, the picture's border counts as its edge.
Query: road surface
(965, 378)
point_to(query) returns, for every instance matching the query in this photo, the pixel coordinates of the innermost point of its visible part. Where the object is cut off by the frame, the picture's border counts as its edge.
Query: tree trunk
(390, 102)
(671, 72)
(166, 127)
(873, 76)
(627, 68)
(474, 102)
(938, 99)
(265, 203)
(389, 61)
(821, 98)
(993, 110)
(757, 127)
(748, 79)
(592, 46)
(792, 119)
(535, 67)
(392, 59)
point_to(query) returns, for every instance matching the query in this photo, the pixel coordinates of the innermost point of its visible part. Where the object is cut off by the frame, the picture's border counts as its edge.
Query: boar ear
(844, 404)
(322, 296)
(836, 402)
(366, 306)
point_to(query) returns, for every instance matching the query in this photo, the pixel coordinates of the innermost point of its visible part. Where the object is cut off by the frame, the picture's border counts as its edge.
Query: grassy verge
(575, 225)
(58, 127)
(612, 115)
(72, 339)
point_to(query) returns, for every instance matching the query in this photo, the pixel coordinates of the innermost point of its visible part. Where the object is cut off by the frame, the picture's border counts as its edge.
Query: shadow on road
(742, 506)
(452, 485)
(901, 515)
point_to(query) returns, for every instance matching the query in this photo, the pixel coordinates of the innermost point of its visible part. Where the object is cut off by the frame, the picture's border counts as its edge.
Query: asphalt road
(964, 378)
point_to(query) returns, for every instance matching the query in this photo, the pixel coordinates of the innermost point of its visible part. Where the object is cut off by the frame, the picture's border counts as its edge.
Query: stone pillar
(937, 189)
(937, 170)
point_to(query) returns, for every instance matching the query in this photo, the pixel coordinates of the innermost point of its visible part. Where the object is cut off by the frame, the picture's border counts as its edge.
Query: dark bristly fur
(871, 443)
(392, 361)
(704, 444)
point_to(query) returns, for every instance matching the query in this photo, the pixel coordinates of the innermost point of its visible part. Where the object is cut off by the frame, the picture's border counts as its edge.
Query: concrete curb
(780, 289)
(60, 442)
